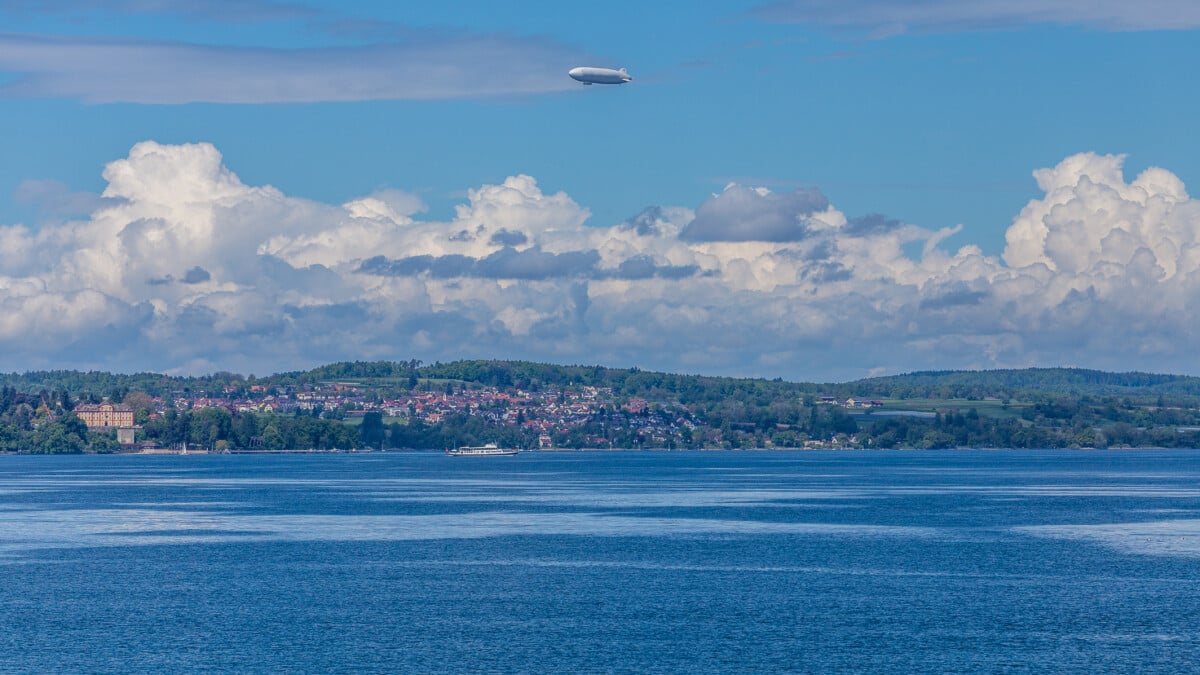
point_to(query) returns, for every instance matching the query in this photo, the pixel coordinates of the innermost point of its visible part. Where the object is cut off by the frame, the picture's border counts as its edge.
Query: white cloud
(183, 266)
(100, 70)
(55, 199)
(746, 214)
(890, 16)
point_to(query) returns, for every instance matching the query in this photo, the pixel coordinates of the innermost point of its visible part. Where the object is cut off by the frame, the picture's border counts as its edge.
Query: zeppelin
(588, 75)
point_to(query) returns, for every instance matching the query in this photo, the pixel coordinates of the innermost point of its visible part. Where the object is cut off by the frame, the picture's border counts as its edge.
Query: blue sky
(925, 113)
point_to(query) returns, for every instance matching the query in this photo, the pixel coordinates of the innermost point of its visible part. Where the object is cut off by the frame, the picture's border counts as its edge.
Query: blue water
(953, 561)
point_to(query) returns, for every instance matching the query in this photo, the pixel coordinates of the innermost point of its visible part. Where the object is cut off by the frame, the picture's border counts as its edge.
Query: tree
(11, 438)
(142, 405)
(103, 442)
(53, 439)
(272, 439)
(371, 432)
(73, 425)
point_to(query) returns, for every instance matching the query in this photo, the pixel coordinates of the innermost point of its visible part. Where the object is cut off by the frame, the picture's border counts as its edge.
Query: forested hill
(1029, 383)
(527, 405)
(1024, 382)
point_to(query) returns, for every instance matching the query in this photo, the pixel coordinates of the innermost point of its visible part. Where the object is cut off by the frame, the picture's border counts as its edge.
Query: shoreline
(434, 451)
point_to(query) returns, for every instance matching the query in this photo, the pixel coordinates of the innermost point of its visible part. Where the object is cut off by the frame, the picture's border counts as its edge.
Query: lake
(948, 561)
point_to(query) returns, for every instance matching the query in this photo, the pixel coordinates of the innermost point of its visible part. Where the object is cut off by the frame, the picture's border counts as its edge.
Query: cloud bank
(889, 16)
(180, 266)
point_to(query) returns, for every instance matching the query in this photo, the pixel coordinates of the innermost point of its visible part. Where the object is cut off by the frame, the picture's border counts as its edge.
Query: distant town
(405, 405)
(551, 414)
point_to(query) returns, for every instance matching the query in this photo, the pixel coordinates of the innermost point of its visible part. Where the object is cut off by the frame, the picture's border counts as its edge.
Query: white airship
(588, 75)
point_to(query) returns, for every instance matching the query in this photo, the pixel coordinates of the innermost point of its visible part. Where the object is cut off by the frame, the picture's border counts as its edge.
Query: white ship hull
(489, 450)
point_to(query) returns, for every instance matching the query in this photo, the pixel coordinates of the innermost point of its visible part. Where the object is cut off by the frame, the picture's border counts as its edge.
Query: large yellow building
(105, 415)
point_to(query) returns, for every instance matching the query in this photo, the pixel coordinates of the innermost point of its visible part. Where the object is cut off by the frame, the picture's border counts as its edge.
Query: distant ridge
(522, 404)
(1078, 381)
(1019, 377)
(965, 384)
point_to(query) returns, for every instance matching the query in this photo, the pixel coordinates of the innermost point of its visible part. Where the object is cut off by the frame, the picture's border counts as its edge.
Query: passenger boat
(489, 450)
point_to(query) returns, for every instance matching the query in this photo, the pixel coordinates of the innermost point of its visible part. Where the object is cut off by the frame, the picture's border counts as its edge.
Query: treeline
(1036, 384)
(1057, 408)
(1065, 423)
(218, 429)
(43, 422)
(97, 385)
(1032, 430)
(1028, 384)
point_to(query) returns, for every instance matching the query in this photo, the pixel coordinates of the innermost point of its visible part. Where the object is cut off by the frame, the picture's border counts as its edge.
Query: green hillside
(1035, 383)
(413, 405)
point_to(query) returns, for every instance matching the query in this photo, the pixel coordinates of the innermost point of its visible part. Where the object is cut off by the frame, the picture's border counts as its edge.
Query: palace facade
(105, 415)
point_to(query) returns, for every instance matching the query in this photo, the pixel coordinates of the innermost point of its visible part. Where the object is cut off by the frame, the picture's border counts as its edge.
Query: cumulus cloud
(181, 266)
(196, 275)
(506, 238)
(509, 263)
(107, 70)
(54, 198)
(748, 214)
(875, 223)
(890, 16)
